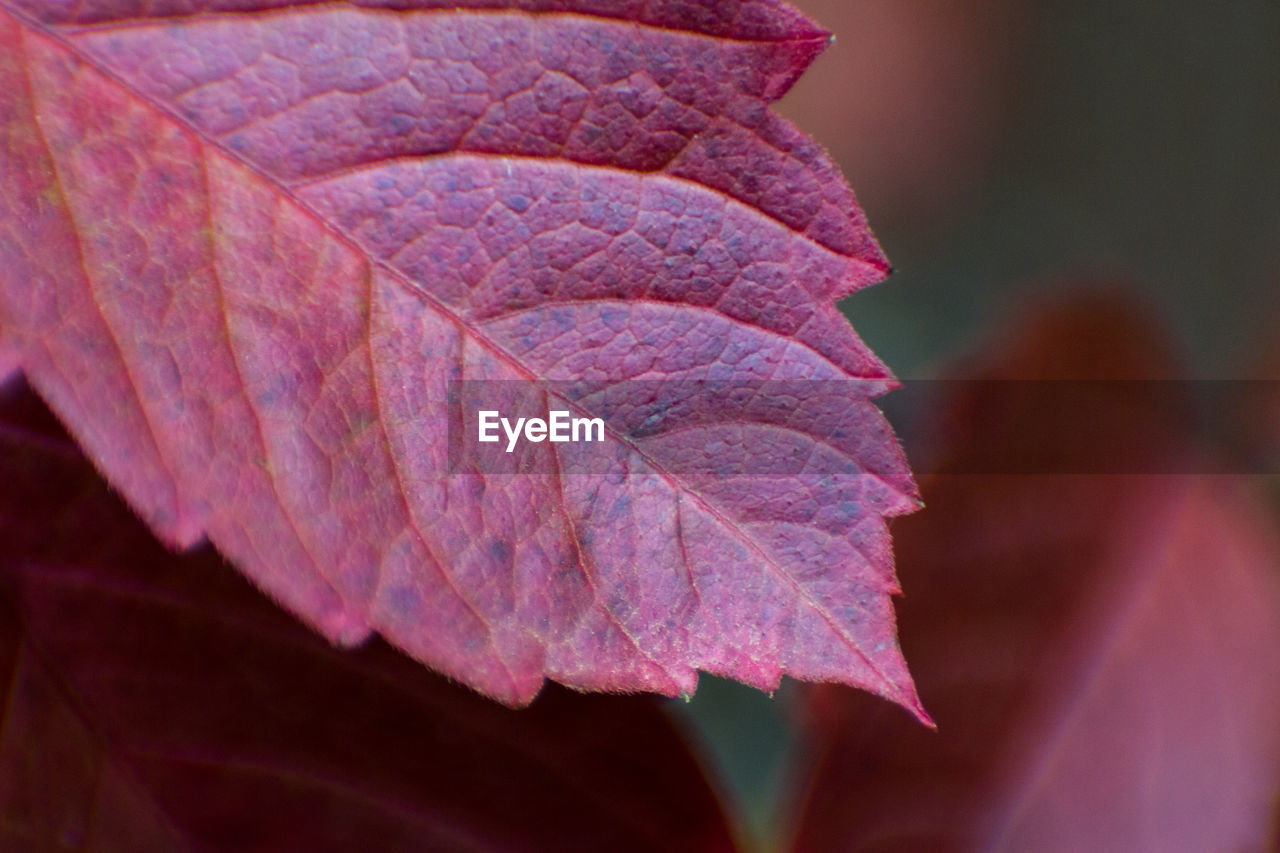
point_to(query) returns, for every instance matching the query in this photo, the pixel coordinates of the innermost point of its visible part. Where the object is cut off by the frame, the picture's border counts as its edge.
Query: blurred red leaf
(155, 702)
(1101, 653)
(243, 252)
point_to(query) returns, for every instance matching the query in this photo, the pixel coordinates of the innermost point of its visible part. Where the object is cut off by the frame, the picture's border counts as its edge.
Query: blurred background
(1003, 149)
(999, 144)
(1085, 190)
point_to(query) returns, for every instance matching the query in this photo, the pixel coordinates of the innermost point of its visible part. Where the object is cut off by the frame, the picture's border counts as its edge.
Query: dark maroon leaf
(155, 702)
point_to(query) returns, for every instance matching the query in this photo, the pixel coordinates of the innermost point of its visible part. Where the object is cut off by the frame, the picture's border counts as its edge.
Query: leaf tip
(909, 699)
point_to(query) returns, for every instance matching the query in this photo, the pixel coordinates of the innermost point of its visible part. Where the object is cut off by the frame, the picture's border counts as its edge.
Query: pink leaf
(1102, 652)
(155, 702)
(246, 250)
